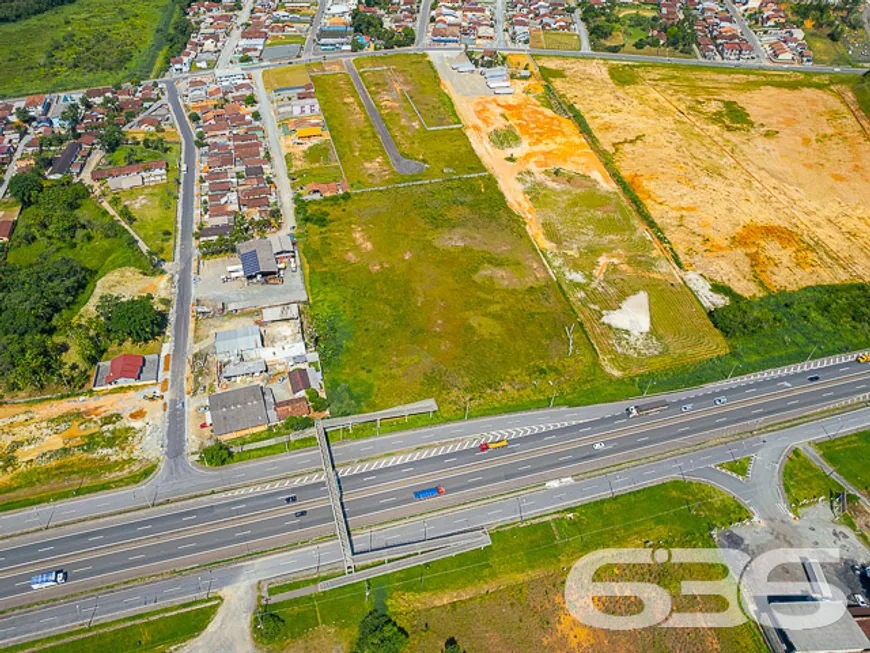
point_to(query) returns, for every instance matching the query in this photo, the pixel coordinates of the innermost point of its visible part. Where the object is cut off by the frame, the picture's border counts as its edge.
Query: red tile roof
(125, 366)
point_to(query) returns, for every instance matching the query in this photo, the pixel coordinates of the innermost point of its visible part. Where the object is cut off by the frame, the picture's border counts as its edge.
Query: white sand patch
(632, 315)
(705, 294)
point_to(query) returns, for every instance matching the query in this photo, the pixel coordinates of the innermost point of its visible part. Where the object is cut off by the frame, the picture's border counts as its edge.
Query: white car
(686, 408)
(720, 400)
(598, 445)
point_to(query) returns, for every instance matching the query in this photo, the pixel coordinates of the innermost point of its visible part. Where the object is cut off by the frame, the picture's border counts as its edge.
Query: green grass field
(147, 633)
(561, 41)
(509, 596)
(445, 152)
(422, 83)
(804, 482)
(153, 206)
(825, 51)
(315, 164)
(86, 43)
(739, 466)
(436, 291)
(586, 225)
(849, 456)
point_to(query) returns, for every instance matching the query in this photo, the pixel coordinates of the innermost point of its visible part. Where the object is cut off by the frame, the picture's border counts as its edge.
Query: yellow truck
(864, 358)
(486, 446)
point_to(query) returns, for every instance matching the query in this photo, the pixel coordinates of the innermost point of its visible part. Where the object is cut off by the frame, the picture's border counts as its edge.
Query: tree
(136, 319)
(452, 646)
(216, 455)
(255, 115)
(23, 116)
(271, 626)
(111, 138)
(25, 187)
(194, 117)
(71, 116)
(378, 633)
(249, 100)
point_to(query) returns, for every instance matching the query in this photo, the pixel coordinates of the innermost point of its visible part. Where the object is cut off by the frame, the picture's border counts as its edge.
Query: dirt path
(229, 631)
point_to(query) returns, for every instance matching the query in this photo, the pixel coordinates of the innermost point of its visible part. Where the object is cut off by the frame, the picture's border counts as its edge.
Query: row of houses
(212, 22)
(468, 23)
(547, 15)
(98, 107)
(719, 37)
(781, 41)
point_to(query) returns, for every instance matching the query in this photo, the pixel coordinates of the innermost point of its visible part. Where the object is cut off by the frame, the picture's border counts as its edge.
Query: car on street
(290, 499)
(719, 401)
(301, 513)
(686, 408)
(48, 579)
(860, 601)
(863, 358)
(598, 445)
(202, 409)
(813, 378)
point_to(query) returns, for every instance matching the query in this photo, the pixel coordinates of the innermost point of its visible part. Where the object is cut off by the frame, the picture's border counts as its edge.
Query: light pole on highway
(647, 387)
(811, 354)
(731, 373)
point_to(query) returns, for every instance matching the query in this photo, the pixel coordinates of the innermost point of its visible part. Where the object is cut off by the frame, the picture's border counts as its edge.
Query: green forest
(12, 10)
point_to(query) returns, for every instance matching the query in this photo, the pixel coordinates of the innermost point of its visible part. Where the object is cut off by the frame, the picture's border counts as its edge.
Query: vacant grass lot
(561, 41)
(804, 482)
(603, 257)
(149, 633)
(86, 43)
(444, 151)
(154, 206)
(360, 151)
(422, 83)
(436, 291)
(285, 76)
(849, 456)
(509, 597)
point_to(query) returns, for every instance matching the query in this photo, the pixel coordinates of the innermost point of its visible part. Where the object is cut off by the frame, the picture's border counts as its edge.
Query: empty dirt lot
(761, 180)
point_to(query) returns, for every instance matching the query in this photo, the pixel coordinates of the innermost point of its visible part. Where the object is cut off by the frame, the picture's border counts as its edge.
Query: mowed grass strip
(359, 149)
(81, 44)
(436, 291)
(804, 482)
(150, 632)
(285, 76)
(446, 152)
(849, 456)
(422, 83)
(510, 596)
(561, 40)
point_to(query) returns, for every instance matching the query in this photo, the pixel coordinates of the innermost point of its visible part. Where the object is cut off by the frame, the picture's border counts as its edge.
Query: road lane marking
(758, 410)
(685, 428)
(187, 546)
(524, 467)
(408, 469)
(476, 478)
(136, 557)
(171, 589)
(48, 548)
(827, 394)
(292, 521)
(565, 458)
(796, 401)
(388, 499)
(644, 439)
(42, 621)
(243, 533)
(721, 419)
(146, 527)
(24, 582)
(75, 571)
(450, 460)
(370, 478)
(237, 507)
(186, 518)
(135, 598)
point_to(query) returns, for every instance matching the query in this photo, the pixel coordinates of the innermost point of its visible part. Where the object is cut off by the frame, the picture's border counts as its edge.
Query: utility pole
(647, 387)
(731, 373)
(570, 334)
(811, 354)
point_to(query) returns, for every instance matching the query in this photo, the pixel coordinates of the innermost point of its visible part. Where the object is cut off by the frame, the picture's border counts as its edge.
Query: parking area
(464, 84)
(211, 291)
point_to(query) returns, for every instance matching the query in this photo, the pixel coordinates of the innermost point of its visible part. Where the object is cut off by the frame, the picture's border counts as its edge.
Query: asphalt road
(258, 516)
(113, 604)
(311, 39)
(279, 164)
(193, 480)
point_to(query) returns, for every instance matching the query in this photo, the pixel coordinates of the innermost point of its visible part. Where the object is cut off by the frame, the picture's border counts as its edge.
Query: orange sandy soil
(30, 422)
(599, 251)
(778, 204)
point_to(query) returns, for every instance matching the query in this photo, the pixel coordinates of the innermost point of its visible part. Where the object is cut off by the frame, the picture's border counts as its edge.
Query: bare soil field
(127, 283)
(631, 301)
(760, 180)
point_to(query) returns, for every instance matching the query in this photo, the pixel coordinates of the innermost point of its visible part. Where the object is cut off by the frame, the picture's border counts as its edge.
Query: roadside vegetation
(521, 579)
(833, 31)
(805, 483)
(740, 467)
(615, 28)
(151, 632)
(90, 43)
(849, 455)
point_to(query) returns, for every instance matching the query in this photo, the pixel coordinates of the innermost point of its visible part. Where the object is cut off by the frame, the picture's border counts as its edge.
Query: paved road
(22, 625)
(747, 32)
(175, 467)
(400, 164)
(195, 480)
(585, 45)
(13, 165)
(259, 517)
(501, 40)
(279, 163)
(235, 33)
(421, 37)
(311, 39)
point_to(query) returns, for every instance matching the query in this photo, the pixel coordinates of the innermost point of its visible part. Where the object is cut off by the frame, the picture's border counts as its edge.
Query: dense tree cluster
(832, 17)
(378, 633)
(373, 26)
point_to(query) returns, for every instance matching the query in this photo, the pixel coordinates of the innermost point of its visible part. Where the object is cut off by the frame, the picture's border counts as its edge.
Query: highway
(259, 518)
(190, 480)
(112, 604)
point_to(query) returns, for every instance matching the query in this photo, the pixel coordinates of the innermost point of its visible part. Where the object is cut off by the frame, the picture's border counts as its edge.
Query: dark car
(301, 513)
(813, 378)
(290, 499)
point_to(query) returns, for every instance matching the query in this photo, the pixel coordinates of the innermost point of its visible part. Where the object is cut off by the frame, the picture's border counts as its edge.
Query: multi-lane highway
(375, 491)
